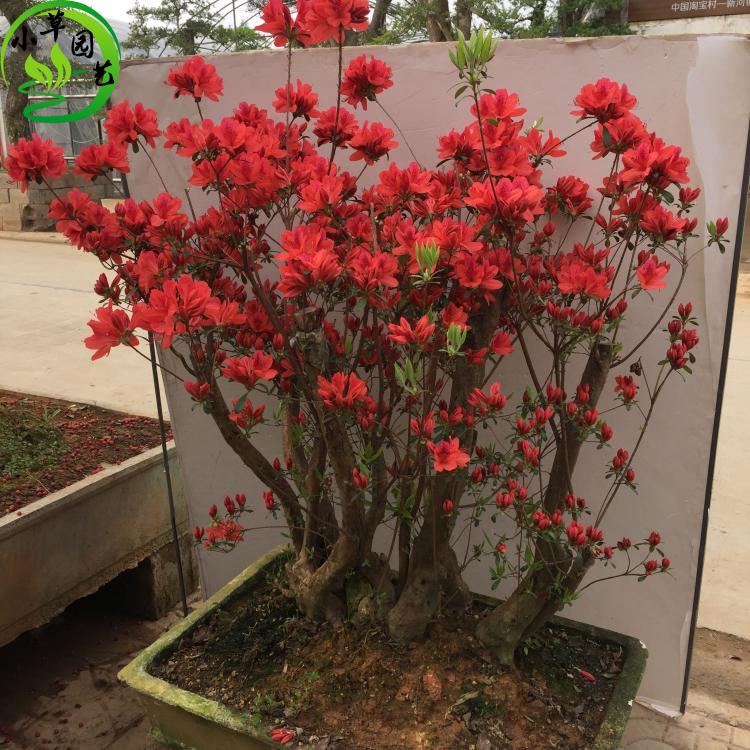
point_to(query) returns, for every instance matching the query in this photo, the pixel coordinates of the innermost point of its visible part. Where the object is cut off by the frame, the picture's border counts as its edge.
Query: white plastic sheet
(693, 92)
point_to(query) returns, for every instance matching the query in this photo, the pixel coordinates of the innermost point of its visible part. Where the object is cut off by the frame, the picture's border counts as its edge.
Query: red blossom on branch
(363, 80)
(34, 160)
(196, 78)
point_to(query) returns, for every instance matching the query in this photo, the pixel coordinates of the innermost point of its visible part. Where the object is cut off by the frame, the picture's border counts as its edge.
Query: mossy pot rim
(155, 692)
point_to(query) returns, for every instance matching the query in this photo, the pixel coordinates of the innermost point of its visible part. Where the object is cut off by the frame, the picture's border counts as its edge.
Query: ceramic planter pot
(186, 720)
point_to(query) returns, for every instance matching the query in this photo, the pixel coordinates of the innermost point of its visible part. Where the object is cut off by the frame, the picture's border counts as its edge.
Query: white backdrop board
(692, 92)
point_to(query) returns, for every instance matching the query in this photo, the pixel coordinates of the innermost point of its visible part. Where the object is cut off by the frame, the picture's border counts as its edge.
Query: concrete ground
(46, 299)
(724, 596)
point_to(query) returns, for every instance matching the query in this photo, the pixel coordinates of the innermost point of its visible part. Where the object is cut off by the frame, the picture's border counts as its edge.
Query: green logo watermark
(49, 87)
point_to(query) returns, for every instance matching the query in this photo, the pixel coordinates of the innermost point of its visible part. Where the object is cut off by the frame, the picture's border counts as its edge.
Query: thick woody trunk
(541, 593)
(16, 125)
(463, 17)
(434, 579)
(439, 21)
(378, 19)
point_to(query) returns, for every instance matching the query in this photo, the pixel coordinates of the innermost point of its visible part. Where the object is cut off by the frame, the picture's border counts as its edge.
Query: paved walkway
(705, 726)
(46, 299)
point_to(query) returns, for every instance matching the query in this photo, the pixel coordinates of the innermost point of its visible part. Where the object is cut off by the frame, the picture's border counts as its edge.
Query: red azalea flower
(300, 101)
(403, 332)
(605, 100)
(474, 272)
(248, 416)
(34, 160)
(178, 307)
(661, 223)
(224, 531)
(402, 185)
(371, 271)
(248, 370)
(652, 162)
(549, 149)
(124, 125)
(278, 21)
(570, 194)
(627, 387)
(622, 134)
(586, 675)
(282, 736)
(363, 80)
(342, 391)
(448, 455)
(516, 201)
(455, 314)
(196, 78)
(502, 343)
(329, 19)
(651, 273)
(308, 260)
(111, 327)
(326, 126)
(197, 389)
(575, 277)
(495, 400)
(95, 160)
(371, 142)
(500, 105)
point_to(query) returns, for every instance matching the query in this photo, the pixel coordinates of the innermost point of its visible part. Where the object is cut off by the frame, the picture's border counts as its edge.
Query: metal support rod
(164, 451)
(165, 457)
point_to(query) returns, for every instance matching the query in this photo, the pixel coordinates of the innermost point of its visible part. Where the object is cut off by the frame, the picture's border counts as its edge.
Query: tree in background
(439, 21)
(211, 26)
(189, 28)
(16, 125)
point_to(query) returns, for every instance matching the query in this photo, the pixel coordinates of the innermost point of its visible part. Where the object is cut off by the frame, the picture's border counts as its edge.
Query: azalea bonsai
(374, 311)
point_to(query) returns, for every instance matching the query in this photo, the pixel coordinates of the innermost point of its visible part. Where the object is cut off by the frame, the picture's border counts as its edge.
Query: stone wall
(28, 211)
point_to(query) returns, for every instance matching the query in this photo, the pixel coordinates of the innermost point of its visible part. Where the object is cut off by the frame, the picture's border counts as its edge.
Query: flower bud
(447, 506)
(269, 500)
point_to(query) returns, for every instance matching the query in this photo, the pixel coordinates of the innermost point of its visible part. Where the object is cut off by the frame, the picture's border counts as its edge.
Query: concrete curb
(68, 544)
(46, 237)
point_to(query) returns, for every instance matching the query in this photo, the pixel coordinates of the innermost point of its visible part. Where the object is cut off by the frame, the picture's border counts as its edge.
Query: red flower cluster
(34, 160)
(363, 80)
(196, 78)
(377, 306)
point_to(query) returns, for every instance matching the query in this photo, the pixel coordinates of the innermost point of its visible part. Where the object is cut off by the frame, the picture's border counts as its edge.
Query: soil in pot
(353, 689)
(47, 444)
